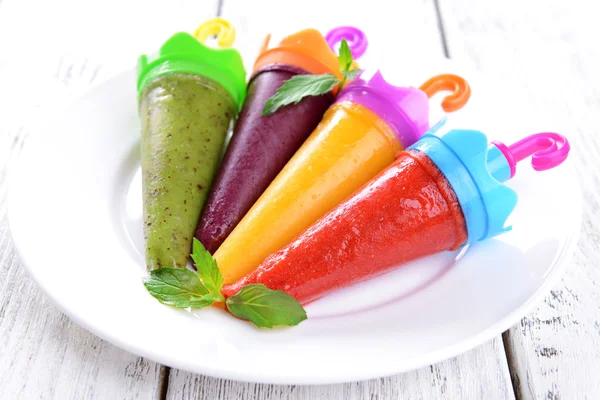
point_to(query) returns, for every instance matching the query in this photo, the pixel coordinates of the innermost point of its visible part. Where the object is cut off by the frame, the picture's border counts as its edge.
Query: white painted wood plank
(481, 373)
(113, 33)
(478, 374)
(549, 48)
(42, 353)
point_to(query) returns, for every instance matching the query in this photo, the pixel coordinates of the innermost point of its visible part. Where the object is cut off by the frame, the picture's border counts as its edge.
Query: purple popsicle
(261, 146)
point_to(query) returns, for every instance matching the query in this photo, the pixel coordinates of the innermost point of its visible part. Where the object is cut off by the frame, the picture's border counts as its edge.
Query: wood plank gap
(163, 386)
(441, 28)
(512, 367)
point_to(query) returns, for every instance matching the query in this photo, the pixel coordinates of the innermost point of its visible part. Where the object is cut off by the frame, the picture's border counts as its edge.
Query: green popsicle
(188, 95)
(185, 119)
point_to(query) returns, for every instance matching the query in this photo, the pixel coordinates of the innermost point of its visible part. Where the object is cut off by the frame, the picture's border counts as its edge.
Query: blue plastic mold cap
(476, 171)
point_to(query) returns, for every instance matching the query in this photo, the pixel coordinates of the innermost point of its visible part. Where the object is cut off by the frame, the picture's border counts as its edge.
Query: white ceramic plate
(75, 214)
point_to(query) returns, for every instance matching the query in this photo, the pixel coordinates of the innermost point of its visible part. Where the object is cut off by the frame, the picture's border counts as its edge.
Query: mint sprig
(266, 307)
(300, 86)
(182, 288)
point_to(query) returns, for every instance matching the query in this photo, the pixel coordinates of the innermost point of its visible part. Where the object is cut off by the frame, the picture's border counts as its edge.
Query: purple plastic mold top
(405, 109)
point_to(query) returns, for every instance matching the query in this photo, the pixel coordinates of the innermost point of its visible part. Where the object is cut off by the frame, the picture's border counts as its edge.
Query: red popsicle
(408, 211)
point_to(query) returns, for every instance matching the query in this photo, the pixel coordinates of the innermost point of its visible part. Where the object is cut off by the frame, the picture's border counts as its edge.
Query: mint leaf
(208, 271)
(265, 307)
(178, 287)
(298, 87)
(345, 57)
(348, 76)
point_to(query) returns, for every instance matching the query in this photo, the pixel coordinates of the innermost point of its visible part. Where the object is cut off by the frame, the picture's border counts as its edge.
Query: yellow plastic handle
(218, 27)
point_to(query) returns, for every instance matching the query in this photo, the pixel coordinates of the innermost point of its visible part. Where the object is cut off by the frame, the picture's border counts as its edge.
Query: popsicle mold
(184, 53)
(547, 150)
(405, 109)
(220, 29)
(461, 91)
(476, 170)
(307, 50)
(356, 39)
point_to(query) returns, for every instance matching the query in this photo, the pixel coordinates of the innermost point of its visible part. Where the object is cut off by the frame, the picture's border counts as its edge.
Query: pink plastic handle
(357, 40)
(548, 149)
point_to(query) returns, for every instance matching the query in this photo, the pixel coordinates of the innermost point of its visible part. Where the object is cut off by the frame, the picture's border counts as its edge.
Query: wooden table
(53, 51)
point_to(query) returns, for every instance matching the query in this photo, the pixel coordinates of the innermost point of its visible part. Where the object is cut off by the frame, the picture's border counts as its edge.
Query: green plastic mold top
(184, 53)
